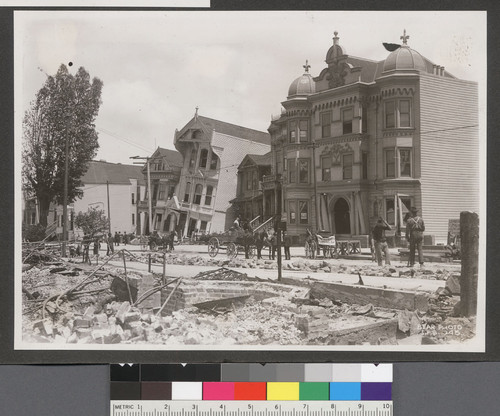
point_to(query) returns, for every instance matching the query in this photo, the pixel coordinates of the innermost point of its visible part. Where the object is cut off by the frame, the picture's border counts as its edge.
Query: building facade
(164, 172)
(122, 185)
(365, 139)
(212, 150)
(251, 204)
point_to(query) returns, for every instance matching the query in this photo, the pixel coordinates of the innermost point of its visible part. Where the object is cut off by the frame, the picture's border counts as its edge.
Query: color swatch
(288, 382)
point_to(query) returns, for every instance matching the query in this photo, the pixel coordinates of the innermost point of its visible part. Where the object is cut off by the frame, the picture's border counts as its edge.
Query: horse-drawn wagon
(233, 241)
(320, 241)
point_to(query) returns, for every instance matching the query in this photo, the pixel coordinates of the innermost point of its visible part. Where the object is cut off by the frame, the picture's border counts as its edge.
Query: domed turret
(404, 58)
(303, 85)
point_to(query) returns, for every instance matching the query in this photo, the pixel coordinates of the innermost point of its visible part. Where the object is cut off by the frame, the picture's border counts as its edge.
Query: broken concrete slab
(453, 284)
(361, 295)
(370, 333)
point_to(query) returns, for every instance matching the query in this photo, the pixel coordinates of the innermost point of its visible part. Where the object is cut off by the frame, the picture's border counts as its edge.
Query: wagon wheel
(231, 250)
(213, 246)
(251, 252)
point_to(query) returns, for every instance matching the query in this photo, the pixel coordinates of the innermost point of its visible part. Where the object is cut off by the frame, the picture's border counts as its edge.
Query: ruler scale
(233, 408)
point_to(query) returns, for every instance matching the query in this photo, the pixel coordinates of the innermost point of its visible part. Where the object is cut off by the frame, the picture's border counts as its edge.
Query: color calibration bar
(270, 382)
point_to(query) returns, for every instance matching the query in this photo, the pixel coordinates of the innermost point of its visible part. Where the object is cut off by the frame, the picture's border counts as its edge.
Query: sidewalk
(176, 270)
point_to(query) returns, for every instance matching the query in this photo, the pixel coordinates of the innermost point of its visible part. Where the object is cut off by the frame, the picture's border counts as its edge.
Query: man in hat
(380, 241)
(415, 228)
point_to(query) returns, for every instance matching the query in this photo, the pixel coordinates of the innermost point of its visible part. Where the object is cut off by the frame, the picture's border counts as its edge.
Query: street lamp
(147, 159)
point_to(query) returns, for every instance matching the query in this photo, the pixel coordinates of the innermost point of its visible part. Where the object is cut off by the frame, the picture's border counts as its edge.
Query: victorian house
(164, 172)
(365, 139)
(250, 203)
(212, 150)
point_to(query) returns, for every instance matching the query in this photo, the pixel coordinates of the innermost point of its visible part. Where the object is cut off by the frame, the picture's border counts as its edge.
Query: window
(304, 212)
(390, 166)
(390, 115)
(397, 114)
(292, 212)
(155, 190)
(404, 113)
(248, 175)
(326, 166)
(208, 195)
(203, 226)
(291, 170)
(213, 161)
(303, 131)
(364, 119)
(364, 161)
(347, 166)
(133, 198)
(292, 132)
(187, 192)
(197, 194)
(171, 191)
(389, 211)
(326, 124)
(347, 121)
(133, 219)
(405, 163)
(303, 171)
(203, 158)
(158, 221)
(192, 161)
(161, 191)
(255, 183)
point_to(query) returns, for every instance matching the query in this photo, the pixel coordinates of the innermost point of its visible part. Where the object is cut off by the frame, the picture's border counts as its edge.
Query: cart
(232, 241)
(320, 241)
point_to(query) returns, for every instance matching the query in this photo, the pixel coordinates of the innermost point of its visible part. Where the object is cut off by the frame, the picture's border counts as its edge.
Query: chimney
(441, 71)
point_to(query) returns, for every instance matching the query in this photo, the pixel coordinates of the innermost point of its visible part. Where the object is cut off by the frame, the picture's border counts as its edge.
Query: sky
(158, 66)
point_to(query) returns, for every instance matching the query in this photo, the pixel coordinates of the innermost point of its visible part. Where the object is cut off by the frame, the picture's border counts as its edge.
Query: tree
(65, 108)
(93, 222)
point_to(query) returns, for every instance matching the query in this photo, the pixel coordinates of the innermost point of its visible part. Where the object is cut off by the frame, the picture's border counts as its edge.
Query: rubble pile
(74, 304)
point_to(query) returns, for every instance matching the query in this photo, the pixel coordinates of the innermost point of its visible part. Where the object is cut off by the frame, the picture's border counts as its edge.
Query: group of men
(414, 234)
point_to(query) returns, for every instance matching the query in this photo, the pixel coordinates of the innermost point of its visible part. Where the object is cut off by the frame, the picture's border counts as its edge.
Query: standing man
(380, 241)
(415, 228)
(287, 242)
(111, 248)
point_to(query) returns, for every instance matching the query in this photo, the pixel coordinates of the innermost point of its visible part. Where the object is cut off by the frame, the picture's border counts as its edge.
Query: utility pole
(277, 223)
(65, 194)
(150, 203)
(109, 212)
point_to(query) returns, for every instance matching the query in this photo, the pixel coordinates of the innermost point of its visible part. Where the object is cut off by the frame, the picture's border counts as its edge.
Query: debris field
(67, 302)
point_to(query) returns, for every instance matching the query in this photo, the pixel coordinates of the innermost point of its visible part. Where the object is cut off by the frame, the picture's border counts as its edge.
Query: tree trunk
(44, 204)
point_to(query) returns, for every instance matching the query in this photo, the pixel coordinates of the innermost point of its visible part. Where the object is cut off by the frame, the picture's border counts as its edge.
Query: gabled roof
(173, 157)
(258, 160)
(100, 172)
(236, 131)
(261, 160)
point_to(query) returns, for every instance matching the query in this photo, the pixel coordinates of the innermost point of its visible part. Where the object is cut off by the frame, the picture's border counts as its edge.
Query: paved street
(400, 283)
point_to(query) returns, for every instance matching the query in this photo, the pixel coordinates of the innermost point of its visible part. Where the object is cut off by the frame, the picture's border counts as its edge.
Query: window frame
(187, 193)
(198, 192)
(364, 165)
(326, 128)
(292, 212)
(326, 169)
(292, 170)
(306, 205)
(292, 131)
(409, 162)
(390, 161)
(347, 126)
(203, 158)
(214, 160)
(347, 168)
(397, 114)
(208, 195)
(162, 187)
(306, 130)
(299, 171)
